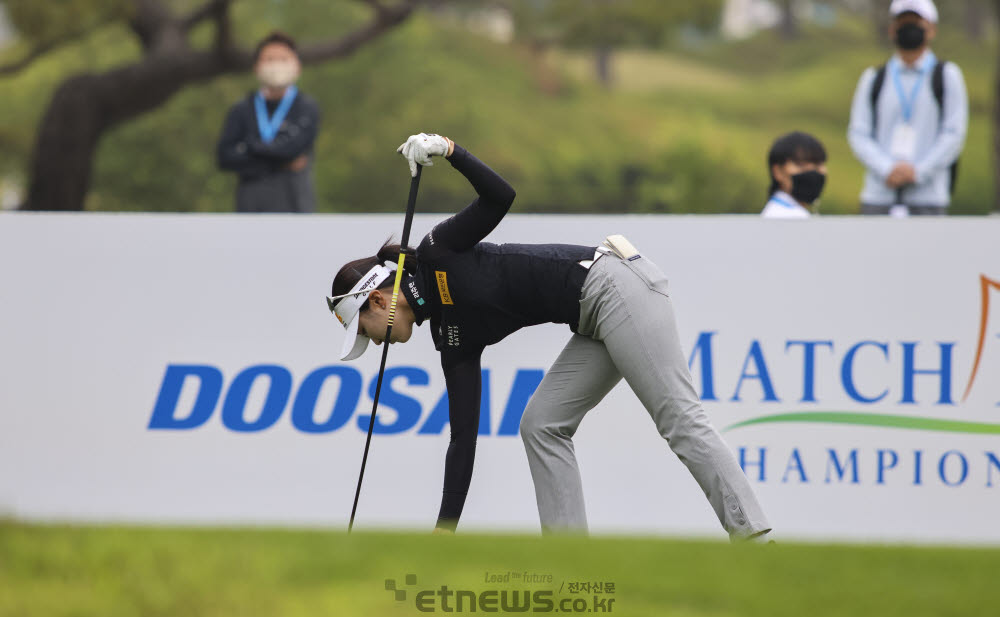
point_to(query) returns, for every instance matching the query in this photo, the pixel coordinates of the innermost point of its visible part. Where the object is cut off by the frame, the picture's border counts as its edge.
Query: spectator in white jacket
(909, 120)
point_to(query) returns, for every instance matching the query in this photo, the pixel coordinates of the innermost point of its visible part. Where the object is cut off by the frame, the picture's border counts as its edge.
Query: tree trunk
(84, 107)
(789, 24)
(547, 79)
(880, 18)
(974, 19)
(64, 148)
(602, 64)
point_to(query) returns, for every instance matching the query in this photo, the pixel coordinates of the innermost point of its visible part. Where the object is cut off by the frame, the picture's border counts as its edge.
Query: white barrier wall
(183, 369)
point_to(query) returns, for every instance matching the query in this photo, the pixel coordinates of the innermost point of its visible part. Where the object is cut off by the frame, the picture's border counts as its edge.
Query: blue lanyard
(907, 103)
(781, 201)
(269, 127)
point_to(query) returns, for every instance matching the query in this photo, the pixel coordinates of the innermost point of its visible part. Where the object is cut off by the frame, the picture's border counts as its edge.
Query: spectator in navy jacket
(268, 136)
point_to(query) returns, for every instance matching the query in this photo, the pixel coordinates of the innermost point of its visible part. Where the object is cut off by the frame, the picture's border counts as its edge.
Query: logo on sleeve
(442, 281)
(416, 293)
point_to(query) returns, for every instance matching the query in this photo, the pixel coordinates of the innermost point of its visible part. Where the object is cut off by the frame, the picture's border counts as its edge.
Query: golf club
(410, 207)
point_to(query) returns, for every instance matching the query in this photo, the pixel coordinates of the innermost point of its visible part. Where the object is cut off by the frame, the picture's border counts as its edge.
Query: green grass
(120, 571)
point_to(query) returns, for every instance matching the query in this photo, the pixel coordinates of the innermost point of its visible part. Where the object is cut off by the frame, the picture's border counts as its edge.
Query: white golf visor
(347, 308)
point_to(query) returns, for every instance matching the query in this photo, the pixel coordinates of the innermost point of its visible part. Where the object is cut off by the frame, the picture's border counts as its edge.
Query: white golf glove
(419, 149)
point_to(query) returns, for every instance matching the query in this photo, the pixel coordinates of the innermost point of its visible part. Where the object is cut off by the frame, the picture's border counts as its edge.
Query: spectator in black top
(268, 136)
(474, 294)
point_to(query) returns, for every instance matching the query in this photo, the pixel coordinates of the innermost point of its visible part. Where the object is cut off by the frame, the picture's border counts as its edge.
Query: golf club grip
(411, 206)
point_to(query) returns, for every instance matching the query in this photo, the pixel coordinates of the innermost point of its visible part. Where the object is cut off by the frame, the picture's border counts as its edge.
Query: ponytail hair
(390, 252)
(797, 146)
(349, 275)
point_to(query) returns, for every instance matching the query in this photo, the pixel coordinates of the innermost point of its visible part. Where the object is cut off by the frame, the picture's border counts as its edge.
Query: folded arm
(294, 140)
(233, 151)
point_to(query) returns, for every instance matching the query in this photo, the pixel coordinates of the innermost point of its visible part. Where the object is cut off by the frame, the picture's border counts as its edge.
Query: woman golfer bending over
(475, 293)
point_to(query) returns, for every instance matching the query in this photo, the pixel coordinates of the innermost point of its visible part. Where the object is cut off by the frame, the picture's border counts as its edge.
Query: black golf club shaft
(411, 205)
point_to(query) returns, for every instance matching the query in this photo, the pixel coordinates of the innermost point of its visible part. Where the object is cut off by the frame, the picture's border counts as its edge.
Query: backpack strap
(937, 86)
(875, 93)
(937, 83)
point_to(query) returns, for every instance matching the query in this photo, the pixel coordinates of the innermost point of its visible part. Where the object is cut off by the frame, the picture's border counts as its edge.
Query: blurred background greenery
(582, 112)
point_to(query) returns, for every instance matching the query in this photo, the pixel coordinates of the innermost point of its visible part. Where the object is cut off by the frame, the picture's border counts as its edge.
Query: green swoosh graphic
(866, 419)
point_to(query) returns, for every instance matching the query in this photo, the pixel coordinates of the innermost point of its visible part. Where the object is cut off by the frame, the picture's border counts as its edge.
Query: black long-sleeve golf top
(475, 294)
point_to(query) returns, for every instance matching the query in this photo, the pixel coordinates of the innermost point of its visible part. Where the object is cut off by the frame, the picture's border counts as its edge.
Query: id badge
(904, 142)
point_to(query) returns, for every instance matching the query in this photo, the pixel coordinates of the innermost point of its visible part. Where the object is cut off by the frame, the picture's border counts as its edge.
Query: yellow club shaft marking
(395, 288)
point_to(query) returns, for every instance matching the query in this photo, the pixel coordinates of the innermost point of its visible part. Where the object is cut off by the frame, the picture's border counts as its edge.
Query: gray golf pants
(627, 329)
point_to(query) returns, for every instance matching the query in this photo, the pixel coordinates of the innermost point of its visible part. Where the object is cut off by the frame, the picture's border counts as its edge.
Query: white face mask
(277, 73)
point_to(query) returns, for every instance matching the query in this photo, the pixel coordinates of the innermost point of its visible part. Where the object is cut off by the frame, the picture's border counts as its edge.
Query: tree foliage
(87, 105)
(45, 22)
(609, 23)
(605, 25)
(685, 131)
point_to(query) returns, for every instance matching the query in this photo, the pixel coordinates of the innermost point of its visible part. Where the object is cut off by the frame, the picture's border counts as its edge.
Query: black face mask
(808, 186)
(910, 36)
